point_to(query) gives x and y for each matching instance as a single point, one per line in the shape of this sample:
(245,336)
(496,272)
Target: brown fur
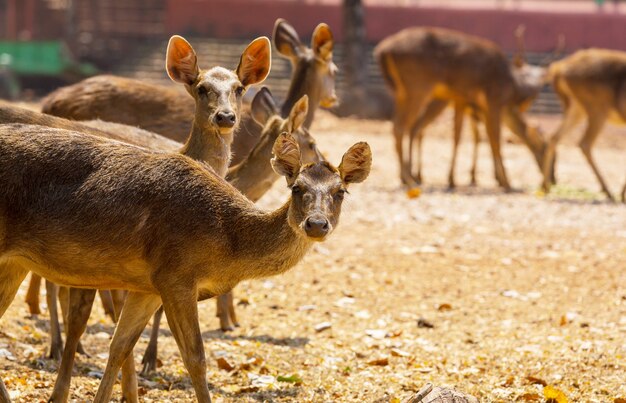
(169,112)
(426,64)
(592,86)
(88,212)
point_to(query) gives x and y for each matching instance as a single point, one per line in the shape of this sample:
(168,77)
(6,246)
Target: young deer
(591,84)
(426,64)
(90,212)
(217,93)
(167,112)
(253,177)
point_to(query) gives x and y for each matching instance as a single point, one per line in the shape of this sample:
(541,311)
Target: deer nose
(225,119)
(316,227)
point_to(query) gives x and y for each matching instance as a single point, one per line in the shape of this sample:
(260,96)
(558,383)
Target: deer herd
(146,194)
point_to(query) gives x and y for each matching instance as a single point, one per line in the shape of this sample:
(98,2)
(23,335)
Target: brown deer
(132,102)
(169,112)
(591,84)
(253,177)
(424,65)
(90,212)
(218,94)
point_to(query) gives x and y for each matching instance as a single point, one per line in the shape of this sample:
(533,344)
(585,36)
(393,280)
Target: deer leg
(476,134)
(11,276)
(399,127)
(80,302)
(596,122)
(56,341)
(135,315)
(64,301)
(224,306)
(458,127)
(231,309)
(107,303)
(32,295)
(571,117)
(432,111)
(149,360)
(181,309)
(493,132)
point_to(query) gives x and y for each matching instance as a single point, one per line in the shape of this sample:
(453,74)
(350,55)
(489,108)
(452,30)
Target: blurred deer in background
(591,85)
(166,111)
(427,68)
(163,226)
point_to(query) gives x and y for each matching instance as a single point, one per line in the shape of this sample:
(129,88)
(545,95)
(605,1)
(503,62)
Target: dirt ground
(521,291)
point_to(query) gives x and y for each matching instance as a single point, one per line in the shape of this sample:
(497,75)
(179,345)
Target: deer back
(156,108)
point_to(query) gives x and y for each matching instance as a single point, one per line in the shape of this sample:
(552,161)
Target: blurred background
(48,43)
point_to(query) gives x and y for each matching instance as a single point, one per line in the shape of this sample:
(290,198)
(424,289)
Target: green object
(48,58)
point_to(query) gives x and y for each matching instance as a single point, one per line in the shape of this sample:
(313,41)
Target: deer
(89,212)
(209,140)
(253,177)
(132,102)
(427,68)
(591,85)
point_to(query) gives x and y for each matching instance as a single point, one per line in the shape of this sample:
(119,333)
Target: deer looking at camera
(433,65)
(90,212)
(254,176)
(166,111)
(211,135)
(591,85)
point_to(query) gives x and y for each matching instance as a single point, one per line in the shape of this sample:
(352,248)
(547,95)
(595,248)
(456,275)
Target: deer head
(218,91)
(313,67)
(318,190)
(264,110)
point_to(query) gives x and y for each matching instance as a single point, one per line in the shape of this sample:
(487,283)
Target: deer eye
(239,91)
(295,189)
(202,91)
(340,194)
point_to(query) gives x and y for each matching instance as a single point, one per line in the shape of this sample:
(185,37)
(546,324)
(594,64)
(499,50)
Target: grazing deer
(168,112)
(424,65)
(591,84)
(90,212)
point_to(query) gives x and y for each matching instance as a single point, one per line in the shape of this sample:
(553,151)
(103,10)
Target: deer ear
(181,61)
(286,161)
(255,62)
(322,42)
(263,106)
(356,163)
(298,114)
(286,39)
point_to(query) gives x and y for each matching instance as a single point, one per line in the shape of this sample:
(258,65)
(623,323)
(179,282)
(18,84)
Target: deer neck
(267,243)
(254,176)
(205,143)
(303,82)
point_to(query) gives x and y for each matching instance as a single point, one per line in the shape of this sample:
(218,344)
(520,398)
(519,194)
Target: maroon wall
(247,18)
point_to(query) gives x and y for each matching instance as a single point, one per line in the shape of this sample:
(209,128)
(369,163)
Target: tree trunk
(355,58)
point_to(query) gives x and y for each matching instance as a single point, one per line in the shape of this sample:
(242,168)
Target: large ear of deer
(286,39)
(298,114)
(322,42)
(286,161)
(255,62)
(263,106)
(181,61)
(356,163)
